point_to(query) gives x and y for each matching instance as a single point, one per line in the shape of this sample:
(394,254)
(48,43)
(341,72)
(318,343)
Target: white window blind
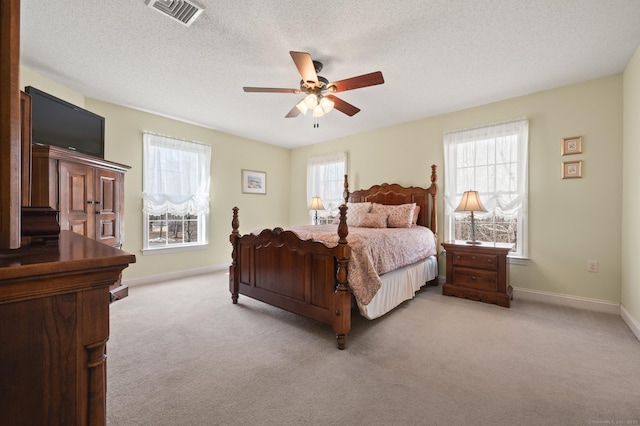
(492,160)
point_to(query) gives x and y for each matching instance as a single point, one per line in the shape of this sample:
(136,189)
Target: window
(175,197)
(325,179)
(492,160)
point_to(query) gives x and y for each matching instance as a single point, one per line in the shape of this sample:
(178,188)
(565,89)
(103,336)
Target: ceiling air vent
(183,11)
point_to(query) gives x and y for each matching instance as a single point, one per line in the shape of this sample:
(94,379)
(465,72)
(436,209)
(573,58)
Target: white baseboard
(152,279)
(631,322)
(567,300)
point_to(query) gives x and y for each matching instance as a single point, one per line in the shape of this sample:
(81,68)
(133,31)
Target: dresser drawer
(475,260)
(475,278)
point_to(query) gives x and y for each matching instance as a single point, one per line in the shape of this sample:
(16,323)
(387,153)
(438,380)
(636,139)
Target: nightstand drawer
(475,260)
(474,278)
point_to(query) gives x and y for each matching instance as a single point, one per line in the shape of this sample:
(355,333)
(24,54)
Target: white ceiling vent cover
(182,11)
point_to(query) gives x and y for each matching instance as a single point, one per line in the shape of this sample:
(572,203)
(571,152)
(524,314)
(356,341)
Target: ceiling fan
(318,90)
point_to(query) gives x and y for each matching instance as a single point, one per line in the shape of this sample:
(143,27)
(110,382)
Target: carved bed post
(345,193)
(234,280)
(342,296)
(433,190)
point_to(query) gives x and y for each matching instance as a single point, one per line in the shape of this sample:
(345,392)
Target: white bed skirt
(400,285)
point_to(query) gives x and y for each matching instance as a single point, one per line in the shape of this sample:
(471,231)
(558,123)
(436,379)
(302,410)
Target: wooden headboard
(395,194)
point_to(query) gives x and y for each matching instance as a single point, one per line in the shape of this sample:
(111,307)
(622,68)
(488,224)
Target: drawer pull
(473,277)
(458,257)
(473,257)
(488,260)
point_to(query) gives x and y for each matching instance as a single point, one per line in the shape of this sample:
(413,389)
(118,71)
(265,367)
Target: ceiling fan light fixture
(302,107)
(318,111)
(326,104)
(311,101)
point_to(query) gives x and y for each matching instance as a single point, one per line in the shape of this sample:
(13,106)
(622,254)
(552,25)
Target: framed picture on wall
(571,145)
(571,169)
(254,182)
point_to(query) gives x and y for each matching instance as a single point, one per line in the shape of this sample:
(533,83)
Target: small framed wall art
(254,182)
(571,145)
(571,169)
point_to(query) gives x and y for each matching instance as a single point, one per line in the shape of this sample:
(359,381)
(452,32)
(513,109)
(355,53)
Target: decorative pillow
(370,220)
(416,212)
(352,211)
(400,216)
(359,207)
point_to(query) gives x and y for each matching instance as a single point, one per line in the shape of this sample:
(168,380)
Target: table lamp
(316,204)
(471,203)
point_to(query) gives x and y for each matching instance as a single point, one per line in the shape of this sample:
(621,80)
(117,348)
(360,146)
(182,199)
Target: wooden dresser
(478,272)
(54,327)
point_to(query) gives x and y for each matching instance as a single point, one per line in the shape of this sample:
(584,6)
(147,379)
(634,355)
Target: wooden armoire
(87,191)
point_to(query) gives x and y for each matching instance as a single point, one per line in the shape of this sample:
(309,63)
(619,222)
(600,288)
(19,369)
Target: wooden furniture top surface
(73,253)
(59,153)
(462,245)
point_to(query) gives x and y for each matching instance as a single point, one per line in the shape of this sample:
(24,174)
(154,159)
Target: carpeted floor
(180,353)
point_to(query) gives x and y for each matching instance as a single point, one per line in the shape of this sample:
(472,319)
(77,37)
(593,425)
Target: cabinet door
(107,207)
(77,201)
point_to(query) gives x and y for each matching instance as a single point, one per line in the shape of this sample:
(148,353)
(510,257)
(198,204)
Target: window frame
(197,206)
(317,186)
(508,196)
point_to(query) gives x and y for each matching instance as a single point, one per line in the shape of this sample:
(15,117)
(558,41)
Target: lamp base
(474,242)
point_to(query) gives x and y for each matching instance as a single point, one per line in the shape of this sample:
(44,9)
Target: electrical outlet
(592,265)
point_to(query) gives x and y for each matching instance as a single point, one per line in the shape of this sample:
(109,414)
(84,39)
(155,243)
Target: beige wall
(631,189)
(230,154)
(570,220)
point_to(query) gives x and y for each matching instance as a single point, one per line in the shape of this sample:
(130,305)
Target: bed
(307,270)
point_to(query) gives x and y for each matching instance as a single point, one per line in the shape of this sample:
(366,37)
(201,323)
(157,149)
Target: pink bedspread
(374,251)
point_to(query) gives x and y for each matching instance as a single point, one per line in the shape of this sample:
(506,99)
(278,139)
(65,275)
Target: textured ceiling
(436,56)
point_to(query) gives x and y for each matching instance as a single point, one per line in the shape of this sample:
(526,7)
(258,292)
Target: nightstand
(478,272)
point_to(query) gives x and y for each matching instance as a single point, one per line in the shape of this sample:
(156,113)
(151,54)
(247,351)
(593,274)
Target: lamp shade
(318,111)
(311,100)
(326,104)
(302,107)
(470,202)
(316,204)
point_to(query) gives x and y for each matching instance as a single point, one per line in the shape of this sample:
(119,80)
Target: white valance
(176,176)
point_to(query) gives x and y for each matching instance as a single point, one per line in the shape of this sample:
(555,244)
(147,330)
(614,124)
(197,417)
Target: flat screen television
(60,123)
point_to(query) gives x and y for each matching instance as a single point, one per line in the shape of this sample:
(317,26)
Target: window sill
(517,260)
(178,249)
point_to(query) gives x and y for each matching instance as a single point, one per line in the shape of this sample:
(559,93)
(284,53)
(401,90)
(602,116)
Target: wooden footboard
(301,276)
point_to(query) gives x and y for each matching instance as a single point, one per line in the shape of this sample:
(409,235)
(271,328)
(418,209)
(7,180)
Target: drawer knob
(458,257)
(473,257)
(473,277)
(488,260)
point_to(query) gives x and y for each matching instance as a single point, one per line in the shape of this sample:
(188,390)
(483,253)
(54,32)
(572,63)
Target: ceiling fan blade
(269,90)
(294,112)
(305,67)
(364,80)
(344,107)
